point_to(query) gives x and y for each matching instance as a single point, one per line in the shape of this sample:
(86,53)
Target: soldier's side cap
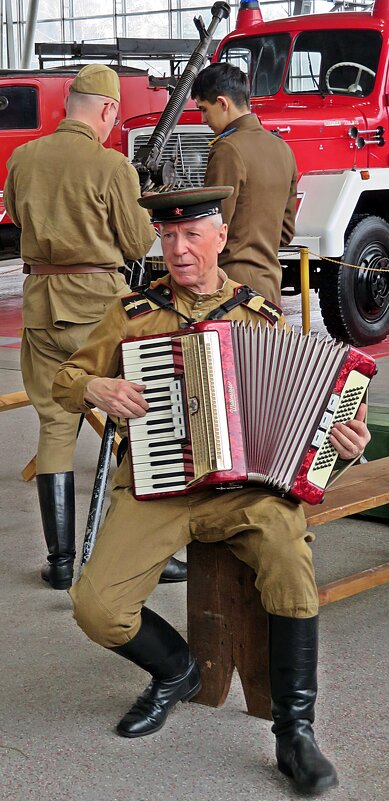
(185,204)
(97,79)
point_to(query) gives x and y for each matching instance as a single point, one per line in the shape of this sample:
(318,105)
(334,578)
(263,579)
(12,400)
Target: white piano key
(145,484)
(147,363)
(153,491)
(154,343)
(157,377)
(161,436)
(152,473)
(149,459)
(151,415)
(144,447)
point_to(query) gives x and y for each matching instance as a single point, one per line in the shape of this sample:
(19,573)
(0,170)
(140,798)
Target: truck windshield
(323,62)
(262,58)
(334,62)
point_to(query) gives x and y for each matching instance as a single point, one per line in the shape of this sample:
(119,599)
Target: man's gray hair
(217,220)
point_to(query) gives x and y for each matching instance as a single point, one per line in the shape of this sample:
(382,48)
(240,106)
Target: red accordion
(229,403)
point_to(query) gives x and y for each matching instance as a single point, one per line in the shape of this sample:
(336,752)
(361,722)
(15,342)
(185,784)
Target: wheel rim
(371,287)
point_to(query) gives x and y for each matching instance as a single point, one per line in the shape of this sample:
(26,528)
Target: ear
(222,237)
(223,101)
(105,111)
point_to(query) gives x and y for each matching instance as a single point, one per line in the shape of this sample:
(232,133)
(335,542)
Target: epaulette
(145,300)
(266,308)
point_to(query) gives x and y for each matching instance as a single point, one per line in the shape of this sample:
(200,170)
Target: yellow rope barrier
(346,264)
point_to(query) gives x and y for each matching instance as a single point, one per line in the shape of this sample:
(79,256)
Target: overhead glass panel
(94,30)
(49,9)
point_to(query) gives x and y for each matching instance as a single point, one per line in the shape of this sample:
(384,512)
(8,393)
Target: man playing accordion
(138,538)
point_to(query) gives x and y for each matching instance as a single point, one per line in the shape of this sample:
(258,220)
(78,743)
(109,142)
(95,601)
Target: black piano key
(167,484)
(167,475)
(153,368)
(159,422)
(154,390)
(164,452)
(158,445)
(160,430)
(159,408)
(157,376)
(152,355)
(165,461)
(150,345)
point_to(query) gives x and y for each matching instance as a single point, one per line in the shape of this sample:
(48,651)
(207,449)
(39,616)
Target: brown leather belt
(56,269)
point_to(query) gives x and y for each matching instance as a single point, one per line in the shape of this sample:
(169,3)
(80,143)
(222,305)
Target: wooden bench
(227,625)
(16,400)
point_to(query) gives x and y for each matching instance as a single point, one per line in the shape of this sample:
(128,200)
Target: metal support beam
(9,27)
(29,35)
(1,34)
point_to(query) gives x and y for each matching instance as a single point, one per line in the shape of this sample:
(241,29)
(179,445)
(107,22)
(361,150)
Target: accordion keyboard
(157,438)
(184,434)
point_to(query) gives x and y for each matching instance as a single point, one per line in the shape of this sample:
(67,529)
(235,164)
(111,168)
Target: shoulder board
(135,304)
(266,308)
(147,301)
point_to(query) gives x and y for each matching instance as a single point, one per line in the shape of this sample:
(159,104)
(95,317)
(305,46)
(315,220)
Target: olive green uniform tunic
(261,212)
(138,537)
(76,204)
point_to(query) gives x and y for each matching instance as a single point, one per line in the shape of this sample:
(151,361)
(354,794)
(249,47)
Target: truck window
(262,58)
(18,107)
(334,62)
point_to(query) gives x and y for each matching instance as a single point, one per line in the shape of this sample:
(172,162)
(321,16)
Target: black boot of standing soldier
(293,651)
(159,649)
(56,500)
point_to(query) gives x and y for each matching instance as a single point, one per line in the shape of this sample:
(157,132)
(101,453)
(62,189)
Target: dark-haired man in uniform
(261,210)
(266,531)
(76,204)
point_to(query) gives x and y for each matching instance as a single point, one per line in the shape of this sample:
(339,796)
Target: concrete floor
(62,695)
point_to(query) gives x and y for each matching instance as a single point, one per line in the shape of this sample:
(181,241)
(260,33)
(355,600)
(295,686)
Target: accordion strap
(242,295)
(246,296)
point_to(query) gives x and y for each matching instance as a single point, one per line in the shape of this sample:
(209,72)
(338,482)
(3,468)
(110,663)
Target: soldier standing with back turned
(76,204)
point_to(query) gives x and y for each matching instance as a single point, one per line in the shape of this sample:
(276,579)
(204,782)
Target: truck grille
(188,148)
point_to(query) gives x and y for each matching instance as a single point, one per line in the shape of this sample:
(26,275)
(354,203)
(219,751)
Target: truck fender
(327,203)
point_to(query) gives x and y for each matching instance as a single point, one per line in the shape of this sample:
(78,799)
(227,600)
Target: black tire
(355,303)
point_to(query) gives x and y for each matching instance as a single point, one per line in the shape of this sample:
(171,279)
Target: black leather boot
(161,650)
(56,500)
(293,649)
(174,571)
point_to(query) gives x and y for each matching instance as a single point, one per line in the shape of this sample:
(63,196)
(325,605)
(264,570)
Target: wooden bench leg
(227,627)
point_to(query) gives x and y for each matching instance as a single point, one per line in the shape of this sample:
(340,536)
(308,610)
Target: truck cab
(321,83)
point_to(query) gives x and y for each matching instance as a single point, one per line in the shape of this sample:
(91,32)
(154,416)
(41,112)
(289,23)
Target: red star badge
(178,212)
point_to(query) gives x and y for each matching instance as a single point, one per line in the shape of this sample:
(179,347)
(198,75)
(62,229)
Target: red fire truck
(322,83)
(32,103)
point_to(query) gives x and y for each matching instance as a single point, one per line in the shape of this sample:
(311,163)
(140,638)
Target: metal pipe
(304,281)
(29,35)
(98,492)
(1,35)
(9,27)
(148,157)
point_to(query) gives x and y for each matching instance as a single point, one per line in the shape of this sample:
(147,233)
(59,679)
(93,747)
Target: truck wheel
(355,303)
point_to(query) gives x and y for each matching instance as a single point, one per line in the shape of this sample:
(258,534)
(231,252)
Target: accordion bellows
(229,403)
